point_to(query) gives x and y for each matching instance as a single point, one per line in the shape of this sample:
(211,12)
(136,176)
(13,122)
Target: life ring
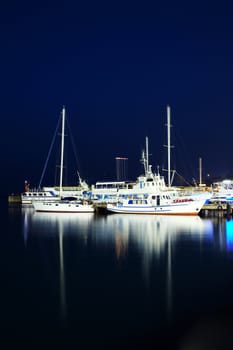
(219,207)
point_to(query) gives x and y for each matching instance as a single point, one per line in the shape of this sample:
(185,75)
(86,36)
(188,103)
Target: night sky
(116,66)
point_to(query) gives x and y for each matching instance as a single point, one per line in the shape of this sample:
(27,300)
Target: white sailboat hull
(63,207)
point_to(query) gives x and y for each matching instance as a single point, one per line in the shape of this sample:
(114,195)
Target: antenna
(147,155)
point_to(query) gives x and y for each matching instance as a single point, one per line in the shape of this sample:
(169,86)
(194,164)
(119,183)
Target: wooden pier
(100,208)
(217,210)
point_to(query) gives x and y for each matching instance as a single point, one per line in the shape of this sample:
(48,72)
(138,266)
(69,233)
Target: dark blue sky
(116,66)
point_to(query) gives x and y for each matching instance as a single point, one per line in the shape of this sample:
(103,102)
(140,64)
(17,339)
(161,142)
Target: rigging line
(49,153)
(184,150)
(182,178)
(73,143)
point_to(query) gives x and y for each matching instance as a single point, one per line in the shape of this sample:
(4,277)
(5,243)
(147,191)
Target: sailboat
(67,204)
(53,193)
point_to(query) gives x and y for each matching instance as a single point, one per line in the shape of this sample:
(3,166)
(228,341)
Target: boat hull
(58,207)
(172,209)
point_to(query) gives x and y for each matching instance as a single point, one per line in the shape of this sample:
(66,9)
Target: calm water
(81,280)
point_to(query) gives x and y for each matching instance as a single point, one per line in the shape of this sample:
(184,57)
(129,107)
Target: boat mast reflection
(169,277)
(60,225)
(62,272)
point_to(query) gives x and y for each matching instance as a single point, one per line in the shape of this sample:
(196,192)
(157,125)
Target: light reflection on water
(146,244)
(151,236)
(62,273)
(229,235)
(149,233)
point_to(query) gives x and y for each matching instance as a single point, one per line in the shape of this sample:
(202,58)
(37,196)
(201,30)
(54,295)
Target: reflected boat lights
(229,235)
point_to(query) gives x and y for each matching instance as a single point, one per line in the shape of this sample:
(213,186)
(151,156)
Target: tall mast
(168,145)
(62,148)
(147,155)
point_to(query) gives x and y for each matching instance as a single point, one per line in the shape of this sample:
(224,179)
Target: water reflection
(223,229)
(169,278)
(150,234)
(58,226)
(229,235)
(62,272)
(25,228)
(154,237)
(149,237)
(51,224)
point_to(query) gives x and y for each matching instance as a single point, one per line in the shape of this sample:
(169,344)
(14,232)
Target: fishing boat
(151,195)
(150,183)
(66,204)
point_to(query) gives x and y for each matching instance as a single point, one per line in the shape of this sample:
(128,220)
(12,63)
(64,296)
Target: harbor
(150,193)
(114,234)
